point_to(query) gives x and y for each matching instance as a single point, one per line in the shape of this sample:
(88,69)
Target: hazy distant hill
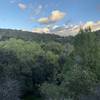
(30,36)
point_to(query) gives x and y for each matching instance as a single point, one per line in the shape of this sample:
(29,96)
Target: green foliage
(48,66)
(79,81)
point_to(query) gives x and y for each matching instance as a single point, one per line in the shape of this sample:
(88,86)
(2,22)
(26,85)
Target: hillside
(49,67)
(30,36)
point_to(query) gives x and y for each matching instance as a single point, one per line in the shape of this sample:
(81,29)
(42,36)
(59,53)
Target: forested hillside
(30,36)
(49,67)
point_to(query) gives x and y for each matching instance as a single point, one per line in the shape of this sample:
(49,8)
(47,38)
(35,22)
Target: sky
(62,17)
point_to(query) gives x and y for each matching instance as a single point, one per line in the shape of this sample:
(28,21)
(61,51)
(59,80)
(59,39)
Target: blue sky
(30,14)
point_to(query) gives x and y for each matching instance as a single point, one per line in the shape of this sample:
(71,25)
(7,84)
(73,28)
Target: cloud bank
(68,30)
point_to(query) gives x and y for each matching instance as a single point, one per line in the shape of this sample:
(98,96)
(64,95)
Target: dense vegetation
(49,67)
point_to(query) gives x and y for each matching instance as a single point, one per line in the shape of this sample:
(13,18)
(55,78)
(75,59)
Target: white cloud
(22,6)
(43,20)
(96,26)
(68,30)
(88,24)
(74,29)
(41,30)
(53,18)
(93,25)
(56,15)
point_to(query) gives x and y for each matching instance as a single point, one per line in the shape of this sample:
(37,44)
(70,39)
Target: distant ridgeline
(30,36)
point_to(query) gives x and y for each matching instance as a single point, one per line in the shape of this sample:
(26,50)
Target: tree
(78,81)
(9,89)
(54,92)
(9,85)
